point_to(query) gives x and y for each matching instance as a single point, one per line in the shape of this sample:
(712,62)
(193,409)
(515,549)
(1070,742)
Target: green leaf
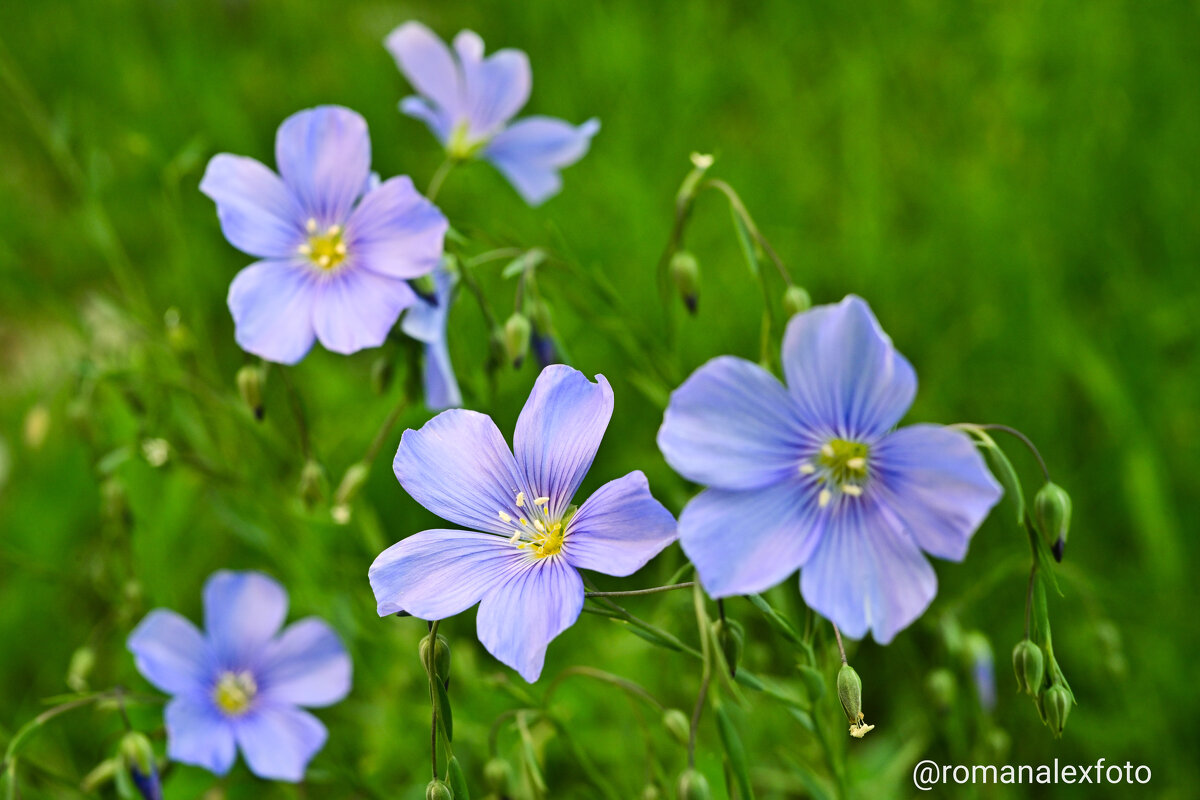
(445,716)
(1002,468)
(775,619)
(734,750)
(457,780)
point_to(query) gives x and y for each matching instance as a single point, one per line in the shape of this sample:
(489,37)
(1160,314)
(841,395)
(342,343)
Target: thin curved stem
(740,208)
(385,430)
(439,177)
(638,592)
(1025,440)
(841,648)
(628,686)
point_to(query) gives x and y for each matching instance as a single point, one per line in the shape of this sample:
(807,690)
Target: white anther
(852,490)
(858,462)
(807,468)
(304,249)
(334,230)
(827,450)
(516,537)
(323,261)
(537,523)
(541,501)
(520,499)
(311,225)
(505,517)
(340,249)
(824,497)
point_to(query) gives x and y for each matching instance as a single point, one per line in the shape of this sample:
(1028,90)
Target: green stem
(633,689)
(638,592)
(439,177)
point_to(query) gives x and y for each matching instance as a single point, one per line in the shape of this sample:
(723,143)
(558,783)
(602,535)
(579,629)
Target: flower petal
(559,431)
(733,425)
(844,372)
(531,152)
(747,542)
(426,322)
(258,214)
(866,575)
(518,619)
(324,156)
(439,573)
(438,121)
(438,379)
(279,741)
(306,665)
(459,467)
(272,303)
(355,308)
(619,528)
(197,734)
(494,88)
(242,613)
(170,652)
(396,232)
(935,483)
(427,63)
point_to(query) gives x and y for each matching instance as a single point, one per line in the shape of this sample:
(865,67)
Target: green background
(1011,185)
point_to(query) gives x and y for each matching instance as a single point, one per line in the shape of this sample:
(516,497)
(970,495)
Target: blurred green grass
(1013,186)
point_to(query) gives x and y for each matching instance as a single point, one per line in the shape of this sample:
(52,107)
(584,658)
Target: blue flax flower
(239,684)
(336,250)
(812,476)
(468,100)
(526,543)
(426,322)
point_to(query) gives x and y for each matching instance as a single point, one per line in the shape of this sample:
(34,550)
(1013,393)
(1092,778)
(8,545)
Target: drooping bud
(383,369)
(731,637)
(796,300)
(440,660)
(497,774)
(651,792)
(80,667)
(138,757)
(1052,513)
(437,790)
(677,724)
(685,272)
(1056,704)
(250,382)
(1029,666)
(425,288)
(849,687)
(351,483)
(692,786)
(517,331)
(312,483)
(942,688)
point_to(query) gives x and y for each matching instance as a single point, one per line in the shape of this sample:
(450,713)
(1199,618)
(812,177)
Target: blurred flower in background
(425,321)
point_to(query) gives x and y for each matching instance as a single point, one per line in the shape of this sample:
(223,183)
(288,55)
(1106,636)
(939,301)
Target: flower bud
(497,774)
(731,637)
(312,483)
(651,792)
(516,338)
(1029,666)
(425,288)
(383,369)
(796,300)
(678,725)
(138,757)
(437,790)
(1052,513)
(849,687)
(685,271)
(351,483)
(80,667)
(692,786)
(1056,704)
(441,657)
(250,381)
(942,689)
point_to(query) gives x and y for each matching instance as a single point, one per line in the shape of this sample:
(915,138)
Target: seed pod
(517,331)
(1057,705)
(1029,666)
(849,687)
(796,300)
(250,381)
(1052,514)
(436,790)
(685,272)
(692,786)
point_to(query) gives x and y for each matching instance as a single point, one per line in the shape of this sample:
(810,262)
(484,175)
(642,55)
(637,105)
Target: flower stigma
(235,692)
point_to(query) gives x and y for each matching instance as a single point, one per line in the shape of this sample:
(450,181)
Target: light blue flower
(336,251)
(468,101)
(426,322)
(239,684)
(812,476)
(521,558)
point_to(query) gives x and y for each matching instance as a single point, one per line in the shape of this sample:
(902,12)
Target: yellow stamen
(520,499)
(852,490)
(807,468)
(505,518)
(541,501)
(824,497)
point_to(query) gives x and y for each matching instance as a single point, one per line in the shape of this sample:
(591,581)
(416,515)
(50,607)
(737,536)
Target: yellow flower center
(325,248)
(534,530)
(234,692)
(460,146)
(840,466)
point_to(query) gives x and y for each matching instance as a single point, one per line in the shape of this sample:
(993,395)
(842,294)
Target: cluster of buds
(1047,687)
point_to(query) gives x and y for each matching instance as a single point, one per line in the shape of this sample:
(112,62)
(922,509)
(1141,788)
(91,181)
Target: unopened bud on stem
(685,272)
(1029,666)
(1052,513)
(796,300)
(517,331)
(250,382)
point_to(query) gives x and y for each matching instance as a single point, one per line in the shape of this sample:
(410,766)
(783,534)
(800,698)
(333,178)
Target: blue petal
(933,483)
(425,321)
(171,653)
(619,528)
(864,575)
(356,308)
(306,665)
(396,232)
(324,156)
(258,214)
(459,467)
(439,573)
(495,88)
(197,734)
(518,619)
(242,613)
(747,542)
(559,431)
(844,372)
(531,152)
(438,379)
(428,64)
(439,121)
(279,741)
(272,304)
(732,425)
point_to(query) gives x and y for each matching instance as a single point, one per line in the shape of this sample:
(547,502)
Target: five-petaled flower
(812,476)
(426,322)
(239,684)
(468,100)
(336,251)
(520,560)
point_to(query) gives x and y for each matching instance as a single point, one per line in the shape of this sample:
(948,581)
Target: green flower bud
(383,369)
(250,381)
(651,792)
(80,667)
(312,483)
(516,338)
(731,637)
(441,658)
(1057,705)
(137,752)
(539,312)
(849,687)
(424,286)
(678,725)
(497,774)
(436,790)
(1052,514)
(796,300)
(692,786)
(351,483)
(942,688)
(1029,666)
(685,271)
